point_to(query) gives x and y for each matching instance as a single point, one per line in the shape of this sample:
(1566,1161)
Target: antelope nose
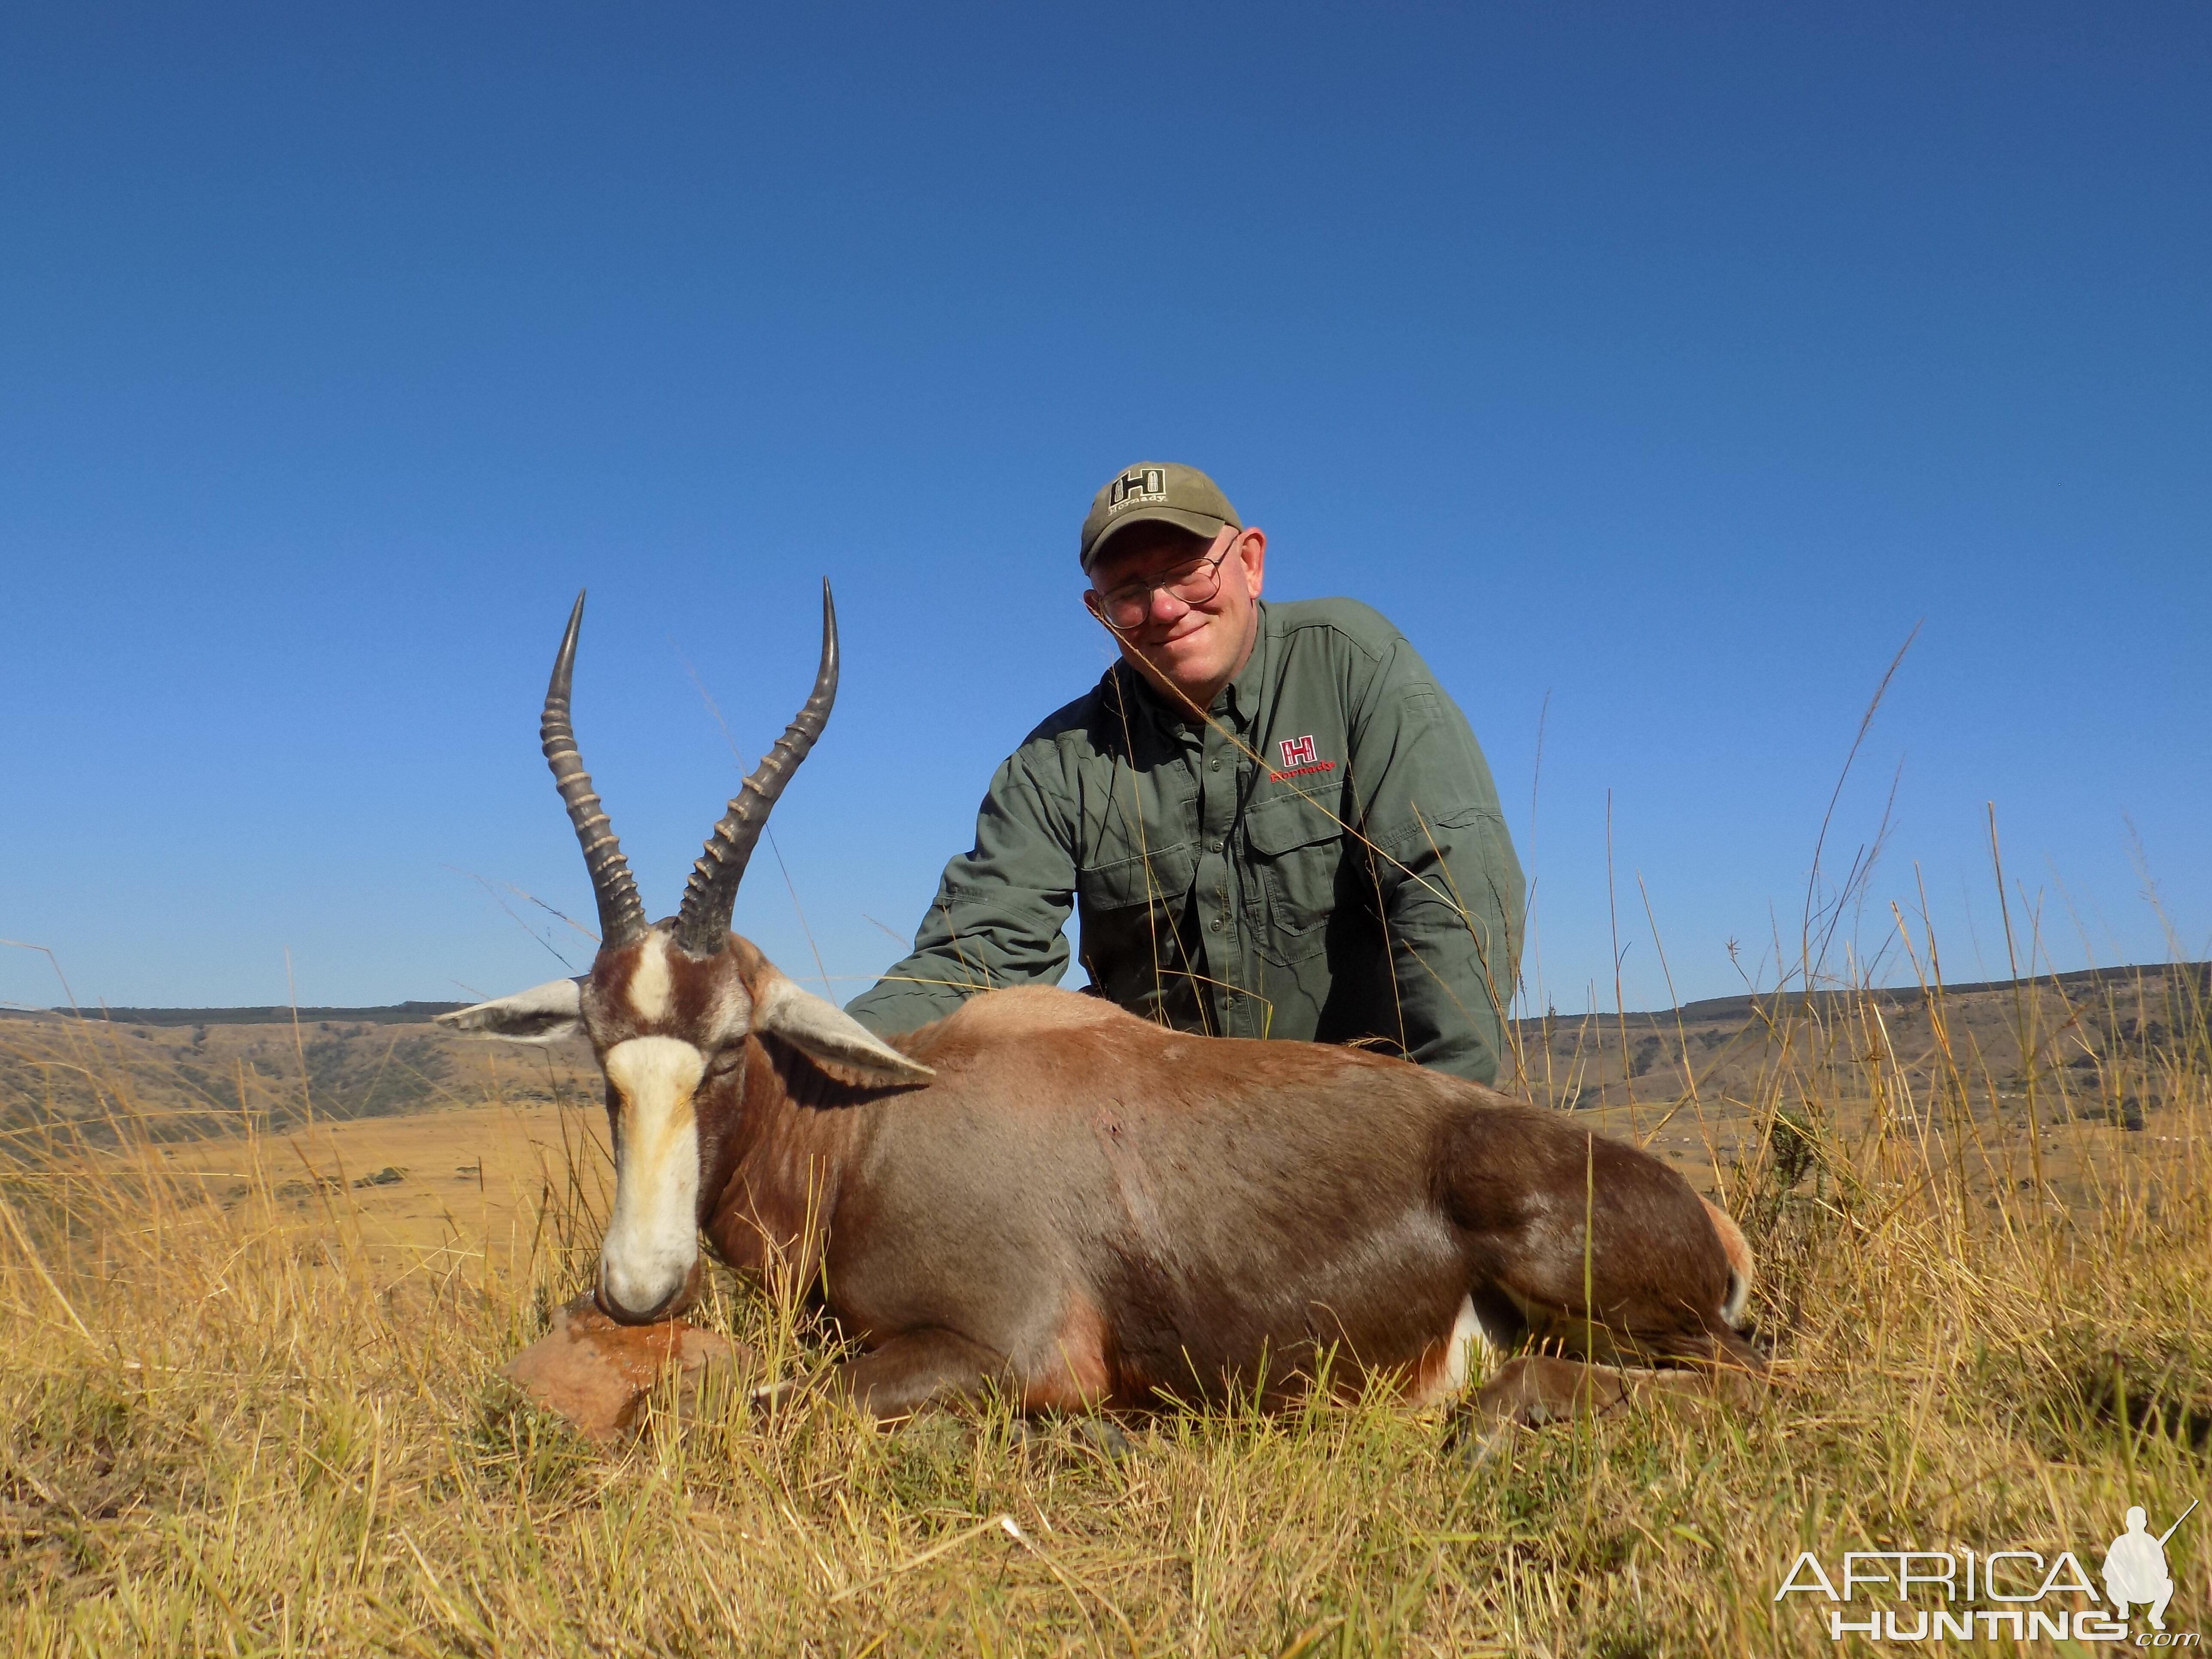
(629,1301)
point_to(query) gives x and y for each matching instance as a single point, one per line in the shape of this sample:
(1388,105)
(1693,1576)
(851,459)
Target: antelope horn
(622,917)
(702,927)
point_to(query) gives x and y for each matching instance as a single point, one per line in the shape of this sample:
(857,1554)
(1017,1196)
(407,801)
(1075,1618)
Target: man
(1274,823)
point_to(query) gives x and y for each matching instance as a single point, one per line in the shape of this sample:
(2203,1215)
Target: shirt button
(1217,924)
(1216,846)
(1217,765)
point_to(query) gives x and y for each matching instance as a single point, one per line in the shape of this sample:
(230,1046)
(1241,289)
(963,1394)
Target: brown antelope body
(1047,1194)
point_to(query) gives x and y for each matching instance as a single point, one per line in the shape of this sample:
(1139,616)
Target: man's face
(1195,647)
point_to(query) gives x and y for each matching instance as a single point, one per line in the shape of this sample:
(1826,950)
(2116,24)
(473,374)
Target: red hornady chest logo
(1298,751)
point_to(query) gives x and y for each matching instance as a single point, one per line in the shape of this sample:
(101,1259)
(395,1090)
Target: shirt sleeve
(999,913)
(1447,884)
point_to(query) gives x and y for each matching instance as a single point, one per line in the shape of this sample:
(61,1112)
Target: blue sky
(1658,369)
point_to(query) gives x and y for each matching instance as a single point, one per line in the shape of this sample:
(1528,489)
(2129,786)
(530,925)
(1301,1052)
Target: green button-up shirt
(1322,858)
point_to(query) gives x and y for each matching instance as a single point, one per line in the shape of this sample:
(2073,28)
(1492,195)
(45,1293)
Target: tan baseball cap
(1156,492)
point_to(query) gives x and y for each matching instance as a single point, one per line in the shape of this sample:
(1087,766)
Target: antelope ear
(544,1014)
(832,1038)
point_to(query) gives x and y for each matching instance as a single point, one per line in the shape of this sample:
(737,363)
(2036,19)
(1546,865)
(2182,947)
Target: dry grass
(260,1415)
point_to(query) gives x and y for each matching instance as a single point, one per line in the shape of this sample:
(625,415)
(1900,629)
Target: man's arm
(998,914)
(1448,886)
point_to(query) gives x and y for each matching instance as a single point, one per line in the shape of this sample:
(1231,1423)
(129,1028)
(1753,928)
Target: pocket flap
(1166,872)
(1286,823)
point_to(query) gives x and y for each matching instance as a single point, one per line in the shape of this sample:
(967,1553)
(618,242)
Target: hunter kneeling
(1271,819)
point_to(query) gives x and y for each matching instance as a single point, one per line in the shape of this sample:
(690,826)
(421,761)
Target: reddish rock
(597,1373)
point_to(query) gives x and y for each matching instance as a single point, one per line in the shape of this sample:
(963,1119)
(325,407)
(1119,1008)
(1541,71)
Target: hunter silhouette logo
(2021,1582)
(2135,1567)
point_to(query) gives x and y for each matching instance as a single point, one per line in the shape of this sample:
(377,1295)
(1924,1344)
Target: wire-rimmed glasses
(1126,604)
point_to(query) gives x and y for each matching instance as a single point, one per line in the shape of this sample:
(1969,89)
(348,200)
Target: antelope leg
(915,1369)
(1537,1388)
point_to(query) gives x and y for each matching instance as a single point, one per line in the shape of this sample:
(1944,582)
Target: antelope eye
(725,1061)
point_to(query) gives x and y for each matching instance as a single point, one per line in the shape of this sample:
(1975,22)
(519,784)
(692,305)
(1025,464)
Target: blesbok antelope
(1046,1194)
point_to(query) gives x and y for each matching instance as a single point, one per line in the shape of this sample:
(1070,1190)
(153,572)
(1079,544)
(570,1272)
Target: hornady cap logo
(2035,1600)
(1137,484)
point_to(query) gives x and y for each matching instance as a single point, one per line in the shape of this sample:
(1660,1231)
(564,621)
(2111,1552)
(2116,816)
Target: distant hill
(391,1013)
(186,1072)
(1709,1009)
(2080,980)
(2102,1038)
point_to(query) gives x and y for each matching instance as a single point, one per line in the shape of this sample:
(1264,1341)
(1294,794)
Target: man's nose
(1165,607)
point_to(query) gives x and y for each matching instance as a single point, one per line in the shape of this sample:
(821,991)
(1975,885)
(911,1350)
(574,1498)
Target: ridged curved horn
(702,927)
(622,917)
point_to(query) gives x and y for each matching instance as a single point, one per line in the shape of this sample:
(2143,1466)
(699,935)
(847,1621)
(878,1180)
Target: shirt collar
(1240,699)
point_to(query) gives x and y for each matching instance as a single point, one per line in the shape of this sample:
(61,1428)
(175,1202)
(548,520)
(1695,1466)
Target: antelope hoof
(1101,1435)
(1474,1440)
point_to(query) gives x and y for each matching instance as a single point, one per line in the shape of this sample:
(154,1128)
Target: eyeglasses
(1127,604)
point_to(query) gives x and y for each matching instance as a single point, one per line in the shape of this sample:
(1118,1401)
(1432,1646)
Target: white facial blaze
(653,1237)
(650,989)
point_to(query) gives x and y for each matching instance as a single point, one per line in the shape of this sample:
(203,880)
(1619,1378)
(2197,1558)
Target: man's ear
(832,1038)
(544,1014)
(1252,554)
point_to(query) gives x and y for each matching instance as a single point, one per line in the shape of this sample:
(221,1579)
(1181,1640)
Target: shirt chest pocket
(1164,875)
(1297,850)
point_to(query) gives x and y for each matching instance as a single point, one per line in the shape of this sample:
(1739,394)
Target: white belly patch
(1466,1339)
(1467,1336)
